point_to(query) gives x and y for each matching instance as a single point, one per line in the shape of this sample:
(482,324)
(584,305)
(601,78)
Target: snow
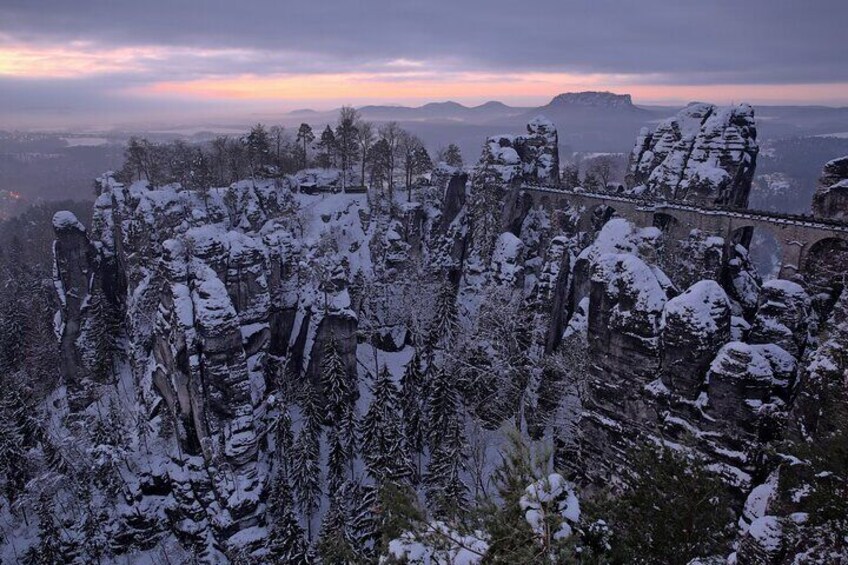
(768,533)
(699,307)
(627,274)
(65,219)
(439,544)
(551,494)
(758,501)
(786,287)
(757,365)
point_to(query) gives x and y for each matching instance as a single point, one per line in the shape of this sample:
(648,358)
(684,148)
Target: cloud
(129,52)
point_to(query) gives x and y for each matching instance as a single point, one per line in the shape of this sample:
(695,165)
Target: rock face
(783,316)
(821,408)
(217,287)
(706,155)
(625,304)
(693,327)
(831,197)
(532,158)
(74,265)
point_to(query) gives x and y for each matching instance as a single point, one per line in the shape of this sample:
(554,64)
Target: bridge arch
(599,215)
(770,255)
(668,224)
(823,266)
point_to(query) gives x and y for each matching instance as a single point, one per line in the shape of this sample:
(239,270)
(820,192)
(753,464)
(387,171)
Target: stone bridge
(799,236)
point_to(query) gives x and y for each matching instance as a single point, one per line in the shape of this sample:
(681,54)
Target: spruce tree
(13,309)
(48,550)
(306,474)
(443,407)
(335,382)
(337,543)
(452,156)
(286,542)
(445,323)
(337,462)
(447,494)
(12,454)
(412,407)
(383,444)
(102,326)
(284,440)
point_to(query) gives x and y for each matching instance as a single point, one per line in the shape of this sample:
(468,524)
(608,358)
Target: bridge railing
(806,219)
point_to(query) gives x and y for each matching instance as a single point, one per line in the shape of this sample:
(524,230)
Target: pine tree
(447,494)
(346,144)
(306,473)
(286,542)
(337,543)
(327,148)
(48,550)
(383,444)
(442,407)
(445,323)
(412,396)
(305,136)
(335,382)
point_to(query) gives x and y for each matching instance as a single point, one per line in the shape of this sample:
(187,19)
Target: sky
(98,63)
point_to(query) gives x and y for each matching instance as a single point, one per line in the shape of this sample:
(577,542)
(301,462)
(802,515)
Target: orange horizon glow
(473,86)
(393,81)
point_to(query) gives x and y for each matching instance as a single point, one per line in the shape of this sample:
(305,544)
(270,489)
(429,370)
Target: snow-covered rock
(831,197)
(694,326)
(705,154)
(531,158)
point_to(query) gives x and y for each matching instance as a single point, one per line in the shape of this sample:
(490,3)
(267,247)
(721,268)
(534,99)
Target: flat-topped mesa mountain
(705,155)
(234,305)
(831,197)
(593,99)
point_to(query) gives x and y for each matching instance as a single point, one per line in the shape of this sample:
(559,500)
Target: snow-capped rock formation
(694,325)
(784,316)
(219,284)
(831,197)
(530,158)
(706,155)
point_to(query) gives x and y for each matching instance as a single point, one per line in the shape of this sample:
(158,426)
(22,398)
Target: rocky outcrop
(625,305)
(705,154)
(532,158)
(215,287)
(831,197)
(821,408)
(783,316)
(74,265)
(693,327)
